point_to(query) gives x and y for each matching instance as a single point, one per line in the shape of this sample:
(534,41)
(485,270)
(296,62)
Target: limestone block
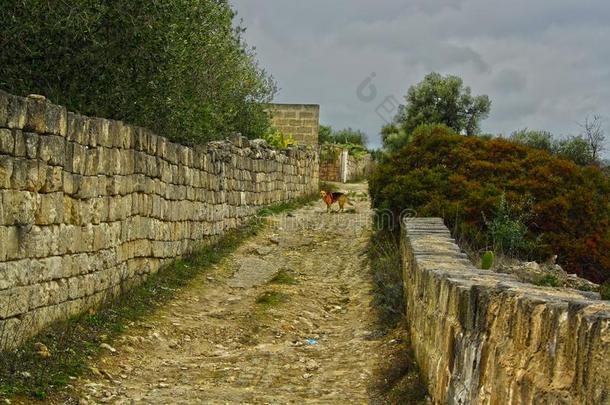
(162,147)
(16,112)
(118,208)
(31,144)
(140,162)
(53,179)
(20,206)
(35,115)
(4,102)
(100,130)
(151,147)
(14,301)
(68,183)
(140,139)
(48,293)
(91,161)
(87,187)
(52,149)
(7,141)
(6,171)
(9,243)
(76,264)
(40,241)
(56,119)
(20,149)
(127,137)
(34,174)
(51,209)
(75,158)
(84,242)
(66,240)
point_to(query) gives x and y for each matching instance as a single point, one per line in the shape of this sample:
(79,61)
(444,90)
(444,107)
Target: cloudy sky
(544,64)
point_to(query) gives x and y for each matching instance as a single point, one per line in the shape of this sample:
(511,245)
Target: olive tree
(444,100)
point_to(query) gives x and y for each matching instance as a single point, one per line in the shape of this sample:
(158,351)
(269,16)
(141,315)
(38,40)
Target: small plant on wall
(276,138)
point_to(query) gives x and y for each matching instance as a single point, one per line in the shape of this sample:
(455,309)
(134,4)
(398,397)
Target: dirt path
(308,342)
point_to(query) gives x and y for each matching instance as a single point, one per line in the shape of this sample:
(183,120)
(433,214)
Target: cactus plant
(487,261)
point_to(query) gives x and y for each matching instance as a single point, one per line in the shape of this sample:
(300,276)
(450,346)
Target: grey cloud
(509,80)
(544,64)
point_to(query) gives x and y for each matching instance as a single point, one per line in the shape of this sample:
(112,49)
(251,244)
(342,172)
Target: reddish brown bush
(462,178)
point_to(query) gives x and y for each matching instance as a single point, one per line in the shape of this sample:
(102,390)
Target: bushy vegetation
(550,204)
(352,140)
(344,136)
(276,138)
(580,149)
(179,67)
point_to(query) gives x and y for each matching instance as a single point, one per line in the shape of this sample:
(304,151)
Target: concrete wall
(484,338)
(89,206)
(301,121)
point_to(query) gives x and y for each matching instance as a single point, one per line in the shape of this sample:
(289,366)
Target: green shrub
(277,138)
(604,290)
(507,229)
(548,280)
(179,67)
(534,139)
(487,261)
(462,179)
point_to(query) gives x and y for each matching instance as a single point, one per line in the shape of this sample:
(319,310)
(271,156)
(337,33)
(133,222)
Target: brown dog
(332,197)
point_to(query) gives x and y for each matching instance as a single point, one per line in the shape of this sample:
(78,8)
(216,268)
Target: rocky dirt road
(237,337)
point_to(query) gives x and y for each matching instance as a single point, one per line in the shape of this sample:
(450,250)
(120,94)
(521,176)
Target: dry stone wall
(336,164)
(89,206)
(485,338)
(358,168)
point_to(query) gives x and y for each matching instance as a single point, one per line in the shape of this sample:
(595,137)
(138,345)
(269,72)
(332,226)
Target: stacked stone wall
(485,338)
(90,206)
(332,168)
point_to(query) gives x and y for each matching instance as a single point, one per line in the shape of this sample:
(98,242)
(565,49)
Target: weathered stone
(53,178)
(6,171)
(482,337)
(31,145)
(16,112)
(20,147)
(35,115)
(52,149)
(7,141)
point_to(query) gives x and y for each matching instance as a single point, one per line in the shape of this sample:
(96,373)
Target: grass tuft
(397,380)
(548,280)
(286,206)
(604,290)
(283,277)
(386,266)
(271,298)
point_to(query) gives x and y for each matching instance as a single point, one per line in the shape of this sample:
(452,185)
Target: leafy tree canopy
(443,100)
(179,67)
(343,136)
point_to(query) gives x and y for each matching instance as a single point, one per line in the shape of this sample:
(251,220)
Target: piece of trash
(312,342)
